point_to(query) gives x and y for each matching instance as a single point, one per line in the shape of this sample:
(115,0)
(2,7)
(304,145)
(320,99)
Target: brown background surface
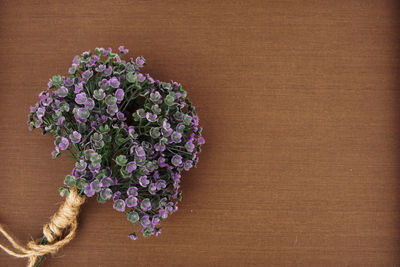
(300,104)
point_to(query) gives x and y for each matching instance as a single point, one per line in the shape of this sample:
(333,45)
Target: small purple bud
(119,205)
(143,181)
(81,99)
(131,166)
(131,201)
(75,137)
(132,191)
(176,160)
(139,151)
(64,143)
(114,82)
(145,205)
(119,94)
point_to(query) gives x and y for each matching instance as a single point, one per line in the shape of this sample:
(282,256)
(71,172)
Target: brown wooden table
(300,104)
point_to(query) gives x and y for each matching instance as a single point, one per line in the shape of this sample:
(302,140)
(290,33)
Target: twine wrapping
(66,218)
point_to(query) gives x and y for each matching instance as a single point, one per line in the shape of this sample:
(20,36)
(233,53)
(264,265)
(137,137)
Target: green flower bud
(133,216)
(111,100)
(155,132)
(95,158)
(125,174)
(187,119)
(131,77)
(70,180)
(169,100)
(56,80)
(121,160)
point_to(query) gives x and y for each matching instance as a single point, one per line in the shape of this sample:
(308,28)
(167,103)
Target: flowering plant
(130,135)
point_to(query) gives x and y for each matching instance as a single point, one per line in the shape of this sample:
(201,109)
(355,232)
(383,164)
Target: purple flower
(76,60)
(133,216)
(81,99)
(141,113)
(62,92)
(116,195)
(119,94)
(80,165)
(112,109)
(145,205)
(159,147)
(122,50)
(132,191)
(106,193)
(89,104)
(111,100)
(78,88)
(163,213)
(187,165)
(75,137)
(161,184)
(145,221)
(155,97)
(133,236)
(149,78)
(139,62)
(119,205)
(82,114)
(114,82)
(151,117)
(152,188)
(139,151)
(100,68)
(60,121)
(108,71)
(140,77)
(131,132)
(201,140)
(89,190)
(161,162)
(107,182)
(131,201)
(40,112)
(104,84)
(131,166)
(86,75)
(121,116)
(68,82)
(158,231)
(99,94)
(96,185)
(63,143)
(48,100)
(156,220)
(176,137)
(143,181)
(189,146)
(165,125)
(73,69)
(176,160)
(94,167)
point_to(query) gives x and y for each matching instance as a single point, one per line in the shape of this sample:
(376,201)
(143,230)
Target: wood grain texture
(300,104)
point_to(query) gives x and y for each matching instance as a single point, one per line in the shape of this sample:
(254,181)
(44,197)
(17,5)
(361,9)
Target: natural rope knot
(66,218)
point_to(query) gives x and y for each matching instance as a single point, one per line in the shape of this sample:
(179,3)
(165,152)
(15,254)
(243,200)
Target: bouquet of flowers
(130,135)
